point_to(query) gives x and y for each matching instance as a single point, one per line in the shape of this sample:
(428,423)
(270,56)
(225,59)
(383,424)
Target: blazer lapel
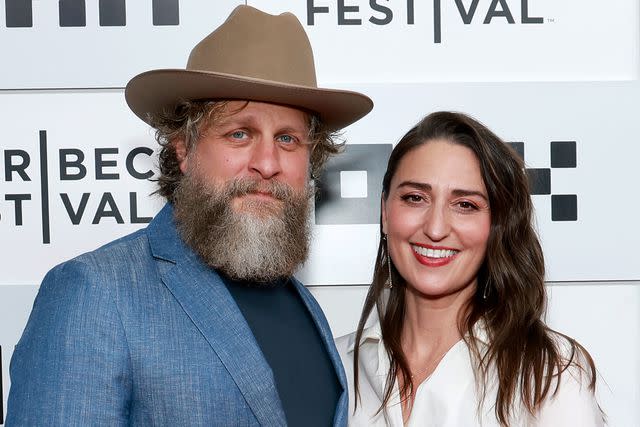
(340,417)
(206,300)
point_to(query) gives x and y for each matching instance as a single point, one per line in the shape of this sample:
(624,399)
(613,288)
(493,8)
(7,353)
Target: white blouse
(449,397)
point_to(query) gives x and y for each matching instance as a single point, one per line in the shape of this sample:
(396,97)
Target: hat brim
(157,90)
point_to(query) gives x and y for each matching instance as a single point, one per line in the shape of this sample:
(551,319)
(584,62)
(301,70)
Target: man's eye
(287,139)
(239,134)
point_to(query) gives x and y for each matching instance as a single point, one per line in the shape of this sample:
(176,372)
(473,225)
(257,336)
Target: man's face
(244,200)
(256,140)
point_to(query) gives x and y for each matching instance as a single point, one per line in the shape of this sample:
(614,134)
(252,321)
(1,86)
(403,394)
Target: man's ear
(181,153)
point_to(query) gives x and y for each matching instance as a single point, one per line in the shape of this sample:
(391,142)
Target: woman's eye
(467,206)
(412,198)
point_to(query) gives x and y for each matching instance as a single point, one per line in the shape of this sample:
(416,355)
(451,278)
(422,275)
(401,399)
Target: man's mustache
(242,186)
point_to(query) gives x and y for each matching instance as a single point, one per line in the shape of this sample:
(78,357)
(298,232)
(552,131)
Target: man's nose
(265,159)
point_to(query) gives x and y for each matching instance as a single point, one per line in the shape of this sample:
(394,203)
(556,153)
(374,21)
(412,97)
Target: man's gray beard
(263,242)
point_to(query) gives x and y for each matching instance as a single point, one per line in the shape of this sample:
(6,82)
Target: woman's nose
(436,223)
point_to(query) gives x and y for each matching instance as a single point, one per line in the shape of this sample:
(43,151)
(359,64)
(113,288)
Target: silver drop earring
(485,292)
(389,278)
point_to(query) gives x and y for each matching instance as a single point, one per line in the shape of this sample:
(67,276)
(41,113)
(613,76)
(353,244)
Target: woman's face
(437,219)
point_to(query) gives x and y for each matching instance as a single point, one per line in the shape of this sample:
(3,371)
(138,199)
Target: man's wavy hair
(190,119)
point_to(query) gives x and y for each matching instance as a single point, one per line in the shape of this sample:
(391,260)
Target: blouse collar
(372,335)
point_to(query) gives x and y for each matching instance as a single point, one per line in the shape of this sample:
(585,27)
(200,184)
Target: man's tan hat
(253,56)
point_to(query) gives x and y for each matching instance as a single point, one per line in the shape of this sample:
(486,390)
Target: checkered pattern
(333,208)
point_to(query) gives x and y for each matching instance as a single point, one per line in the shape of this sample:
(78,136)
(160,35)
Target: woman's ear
(181,153)
(384,214)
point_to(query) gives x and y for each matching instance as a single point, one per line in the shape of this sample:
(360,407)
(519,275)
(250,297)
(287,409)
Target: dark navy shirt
(289,339)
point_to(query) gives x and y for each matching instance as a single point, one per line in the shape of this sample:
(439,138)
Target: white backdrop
(560,74)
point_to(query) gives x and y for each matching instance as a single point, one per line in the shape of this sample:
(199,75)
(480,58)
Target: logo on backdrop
(348,190)
(385,12)
(73,166)
(73,13)
(564,207)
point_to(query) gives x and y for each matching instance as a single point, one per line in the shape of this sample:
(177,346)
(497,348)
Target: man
(196,320)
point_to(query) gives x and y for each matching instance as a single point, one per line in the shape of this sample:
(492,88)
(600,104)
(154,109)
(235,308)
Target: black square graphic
(518,147)
(112,13)
(563,154)
(18,13)
(564,207)
(331,208)
(539,181)
(73,13)
(166,12)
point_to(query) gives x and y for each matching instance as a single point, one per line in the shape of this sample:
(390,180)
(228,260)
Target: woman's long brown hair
(524,352)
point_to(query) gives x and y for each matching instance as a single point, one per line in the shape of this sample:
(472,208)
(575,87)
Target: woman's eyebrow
(467,193)
(413,184)
(458,192)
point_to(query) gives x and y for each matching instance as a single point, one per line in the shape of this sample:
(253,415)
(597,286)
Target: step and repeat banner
(103,43)
(557,80)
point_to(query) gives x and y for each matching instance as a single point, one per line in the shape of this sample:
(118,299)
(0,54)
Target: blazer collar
(340,417)
(164,239)
(206,300)
(323,328)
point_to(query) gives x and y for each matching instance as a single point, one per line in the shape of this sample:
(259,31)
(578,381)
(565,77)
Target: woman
(459,294)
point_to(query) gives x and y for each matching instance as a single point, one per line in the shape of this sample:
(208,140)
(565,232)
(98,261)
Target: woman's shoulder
(345,344)
(572,397)
(573,402)
(573,358)
(346,339)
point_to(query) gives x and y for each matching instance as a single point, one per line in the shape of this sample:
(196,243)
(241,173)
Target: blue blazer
(141,332)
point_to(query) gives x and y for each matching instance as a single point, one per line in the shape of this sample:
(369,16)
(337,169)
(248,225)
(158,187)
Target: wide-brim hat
(251,56)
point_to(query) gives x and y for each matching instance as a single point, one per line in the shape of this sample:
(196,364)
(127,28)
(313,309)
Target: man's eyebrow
(236,119)
(293,129)
(250,120)
(458,192)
